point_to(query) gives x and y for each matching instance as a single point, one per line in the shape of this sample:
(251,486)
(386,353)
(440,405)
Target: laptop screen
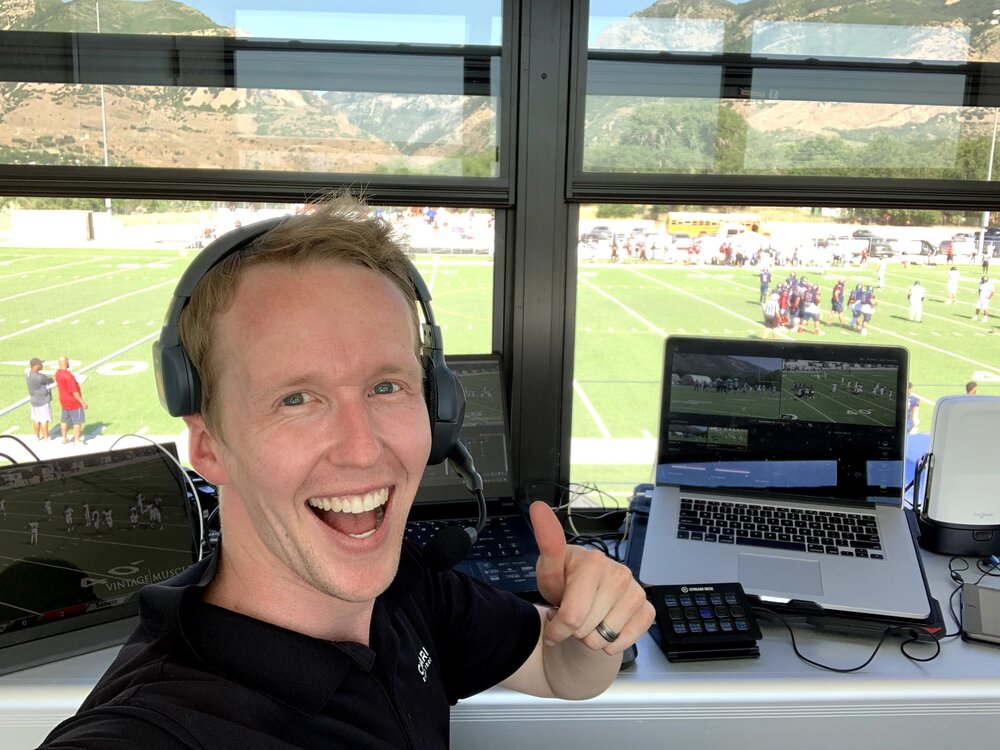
(79,537)
(782,417)
(485,433)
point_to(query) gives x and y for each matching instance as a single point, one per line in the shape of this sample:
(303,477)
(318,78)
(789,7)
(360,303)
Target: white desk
(952,702)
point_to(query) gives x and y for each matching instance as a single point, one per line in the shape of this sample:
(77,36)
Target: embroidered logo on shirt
(423,663)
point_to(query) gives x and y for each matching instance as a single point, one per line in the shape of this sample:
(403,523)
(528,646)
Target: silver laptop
(780,466)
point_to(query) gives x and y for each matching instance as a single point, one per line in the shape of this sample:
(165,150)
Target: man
(986,290)
(40,396)
(836,303)
(952,286)
(971,387)
(868,303)
(72,402)
(765,284)
(916,298)
(771,313)
(314,624)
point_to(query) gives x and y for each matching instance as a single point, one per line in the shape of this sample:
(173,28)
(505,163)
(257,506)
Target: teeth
(352,503)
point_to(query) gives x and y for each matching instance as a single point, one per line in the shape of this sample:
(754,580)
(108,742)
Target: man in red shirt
(71,401)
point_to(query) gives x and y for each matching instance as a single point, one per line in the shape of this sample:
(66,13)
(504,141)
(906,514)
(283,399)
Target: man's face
(321,398)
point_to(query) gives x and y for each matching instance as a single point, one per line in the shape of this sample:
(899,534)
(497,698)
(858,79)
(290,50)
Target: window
(91,281)
(650,282)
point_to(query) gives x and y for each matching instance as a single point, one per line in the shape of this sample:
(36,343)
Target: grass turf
(103,309)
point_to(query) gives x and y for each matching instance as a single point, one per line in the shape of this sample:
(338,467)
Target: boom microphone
(451,545)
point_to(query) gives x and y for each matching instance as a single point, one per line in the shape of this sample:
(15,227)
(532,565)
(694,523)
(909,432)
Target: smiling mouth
(357,516)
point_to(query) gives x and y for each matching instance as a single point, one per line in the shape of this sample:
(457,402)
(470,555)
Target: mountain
(112,16)
(279,129)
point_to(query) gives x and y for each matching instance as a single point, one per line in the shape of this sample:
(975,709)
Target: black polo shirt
(194,675)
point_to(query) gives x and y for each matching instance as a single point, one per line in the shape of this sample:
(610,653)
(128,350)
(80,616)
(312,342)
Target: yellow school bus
(696,223)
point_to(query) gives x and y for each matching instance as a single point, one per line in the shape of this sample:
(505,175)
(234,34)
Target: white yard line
(603,428)
(71,282)
(652,326)
(120,297)
(35,271)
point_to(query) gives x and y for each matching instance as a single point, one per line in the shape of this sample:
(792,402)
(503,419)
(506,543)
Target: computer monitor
(485,433)
(79,537)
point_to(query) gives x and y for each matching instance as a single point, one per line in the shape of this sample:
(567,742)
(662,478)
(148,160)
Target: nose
(356,438)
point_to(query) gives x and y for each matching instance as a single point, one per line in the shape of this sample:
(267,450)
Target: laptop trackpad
(764,573)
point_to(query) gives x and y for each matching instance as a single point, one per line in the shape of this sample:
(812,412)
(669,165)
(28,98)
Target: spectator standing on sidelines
(72,402)
(952,288)
(916,298)
(971,387)
(41,397)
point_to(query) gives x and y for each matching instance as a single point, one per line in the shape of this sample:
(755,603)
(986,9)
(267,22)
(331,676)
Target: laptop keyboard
(504,555)
(798,529)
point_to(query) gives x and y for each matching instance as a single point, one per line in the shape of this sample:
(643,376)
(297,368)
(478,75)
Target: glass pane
(646,272)
(384,21)
(646,117)
(90,279)
(927,32)
(259,129)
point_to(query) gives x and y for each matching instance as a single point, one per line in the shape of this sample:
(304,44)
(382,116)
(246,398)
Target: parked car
(683,241)
(880,249)
(597,233)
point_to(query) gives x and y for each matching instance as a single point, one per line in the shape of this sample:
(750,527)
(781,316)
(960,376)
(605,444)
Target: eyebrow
(390,369)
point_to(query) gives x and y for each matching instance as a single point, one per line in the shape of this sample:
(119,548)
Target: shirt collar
(300,671)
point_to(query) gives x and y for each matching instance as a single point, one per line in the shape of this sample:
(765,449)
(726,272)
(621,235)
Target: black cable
(23,445)
(889,630)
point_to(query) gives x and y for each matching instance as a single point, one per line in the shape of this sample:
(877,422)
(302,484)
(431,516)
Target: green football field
(103,308)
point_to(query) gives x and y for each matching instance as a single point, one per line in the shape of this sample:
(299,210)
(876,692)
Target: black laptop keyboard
(504,555)
(798,529)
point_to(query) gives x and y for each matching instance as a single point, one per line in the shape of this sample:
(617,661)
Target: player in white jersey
(952,288)
(32,532)
(47,507)
(68,515)
(986,291)
(108,520)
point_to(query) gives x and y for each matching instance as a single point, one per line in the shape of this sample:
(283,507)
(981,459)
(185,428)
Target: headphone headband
(179,384)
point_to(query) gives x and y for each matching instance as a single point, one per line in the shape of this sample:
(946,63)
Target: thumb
(551,568)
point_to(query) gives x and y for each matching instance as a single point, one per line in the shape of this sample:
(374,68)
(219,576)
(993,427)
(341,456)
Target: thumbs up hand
(595,599)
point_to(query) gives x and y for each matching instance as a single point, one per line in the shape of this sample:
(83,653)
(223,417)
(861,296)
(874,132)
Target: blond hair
(338,229)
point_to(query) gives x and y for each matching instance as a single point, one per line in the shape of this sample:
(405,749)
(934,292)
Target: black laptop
(506,553)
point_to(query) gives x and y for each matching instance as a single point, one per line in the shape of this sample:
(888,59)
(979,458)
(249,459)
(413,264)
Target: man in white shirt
(986,291)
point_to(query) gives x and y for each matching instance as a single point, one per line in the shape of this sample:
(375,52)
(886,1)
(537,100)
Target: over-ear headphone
(179,384)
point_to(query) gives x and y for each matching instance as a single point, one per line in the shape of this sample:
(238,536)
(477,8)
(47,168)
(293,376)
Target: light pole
(989,176)
(104,114)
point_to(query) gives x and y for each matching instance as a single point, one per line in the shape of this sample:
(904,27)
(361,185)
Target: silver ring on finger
(605,632)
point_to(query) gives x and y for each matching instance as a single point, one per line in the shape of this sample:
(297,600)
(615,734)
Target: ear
(204,451)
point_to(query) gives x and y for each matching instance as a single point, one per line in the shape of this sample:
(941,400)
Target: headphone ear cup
(177,381)
(445,407)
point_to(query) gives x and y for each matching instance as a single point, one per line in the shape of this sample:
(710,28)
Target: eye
(385,388)
(295,399)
